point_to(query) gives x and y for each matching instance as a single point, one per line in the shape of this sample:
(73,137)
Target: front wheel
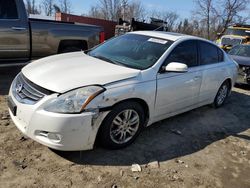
(222,94)
(122,125)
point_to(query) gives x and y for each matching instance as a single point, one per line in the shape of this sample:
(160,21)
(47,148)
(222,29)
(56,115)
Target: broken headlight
(74,101)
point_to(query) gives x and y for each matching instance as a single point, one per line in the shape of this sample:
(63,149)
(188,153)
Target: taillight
(102,37)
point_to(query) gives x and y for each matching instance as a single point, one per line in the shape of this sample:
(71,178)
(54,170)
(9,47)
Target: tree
(65,6)
(31,7)
(111,9)
(56,8)
(48,7)
(230,12)
(115,9)
(135,10)
(167,16)
(205,9)
(187,27)
(214,16)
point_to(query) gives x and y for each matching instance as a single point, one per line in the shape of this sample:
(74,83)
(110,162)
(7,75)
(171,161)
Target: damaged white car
(109,94)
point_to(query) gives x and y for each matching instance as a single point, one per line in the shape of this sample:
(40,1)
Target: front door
(14,32)
(177,91)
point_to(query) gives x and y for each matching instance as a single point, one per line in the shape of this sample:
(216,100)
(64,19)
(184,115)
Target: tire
(222,94)
(111,133)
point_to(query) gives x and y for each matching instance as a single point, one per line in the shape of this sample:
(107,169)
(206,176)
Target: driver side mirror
(176,67)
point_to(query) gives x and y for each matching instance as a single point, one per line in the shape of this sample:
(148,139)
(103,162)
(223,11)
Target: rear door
(178,91)
(14,31)
(213,70)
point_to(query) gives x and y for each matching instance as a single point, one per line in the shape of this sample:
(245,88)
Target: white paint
(166,94)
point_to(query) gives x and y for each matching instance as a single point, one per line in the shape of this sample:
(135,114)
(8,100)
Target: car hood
(61,73)
(245,61)
(233,36)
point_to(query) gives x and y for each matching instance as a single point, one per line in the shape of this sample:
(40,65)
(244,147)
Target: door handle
(18,28)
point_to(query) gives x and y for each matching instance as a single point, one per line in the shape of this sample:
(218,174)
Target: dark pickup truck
(23,39)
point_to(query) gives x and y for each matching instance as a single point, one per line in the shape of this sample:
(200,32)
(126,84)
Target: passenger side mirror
(176,67)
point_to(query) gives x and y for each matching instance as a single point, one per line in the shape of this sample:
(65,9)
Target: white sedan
(68,102)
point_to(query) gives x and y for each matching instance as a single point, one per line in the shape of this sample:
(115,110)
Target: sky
(181,7)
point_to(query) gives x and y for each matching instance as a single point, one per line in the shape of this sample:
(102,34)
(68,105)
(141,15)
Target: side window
(209,54)
(186,53)
(8,9)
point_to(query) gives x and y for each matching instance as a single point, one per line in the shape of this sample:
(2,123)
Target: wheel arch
(229,80)
(141,102)
(63,44)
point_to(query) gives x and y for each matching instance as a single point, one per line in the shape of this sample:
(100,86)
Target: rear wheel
(122,125)
(222,94)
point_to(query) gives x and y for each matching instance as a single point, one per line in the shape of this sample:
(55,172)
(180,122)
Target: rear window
(8,9)
(210,54)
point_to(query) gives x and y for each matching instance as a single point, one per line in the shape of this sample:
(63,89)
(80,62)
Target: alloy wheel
(222,95)
(124,126)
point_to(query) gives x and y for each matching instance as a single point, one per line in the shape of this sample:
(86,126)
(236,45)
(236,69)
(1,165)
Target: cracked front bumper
(67,132)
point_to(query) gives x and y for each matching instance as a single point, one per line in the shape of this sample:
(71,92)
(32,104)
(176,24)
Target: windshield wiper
(105,59)
(113,61)
(109,60)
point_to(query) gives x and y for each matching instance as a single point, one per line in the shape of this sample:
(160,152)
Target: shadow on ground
(199,128)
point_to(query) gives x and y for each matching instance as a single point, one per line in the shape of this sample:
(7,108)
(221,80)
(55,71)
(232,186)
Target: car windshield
(241,32)
(240,50)
(132,50)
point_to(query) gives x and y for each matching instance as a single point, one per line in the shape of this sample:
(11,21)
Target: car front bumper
(66,132)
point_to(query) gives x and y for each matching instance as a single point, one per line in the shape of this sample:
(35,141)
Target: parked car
(23,39)
(234,35)
(68,101)
(241,54)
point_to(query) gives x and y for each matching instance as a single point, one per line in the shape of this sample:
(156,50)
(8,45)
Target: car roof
(165,35)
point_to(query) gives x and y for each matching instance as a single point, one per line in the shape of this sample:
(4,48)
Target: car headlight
(74,101)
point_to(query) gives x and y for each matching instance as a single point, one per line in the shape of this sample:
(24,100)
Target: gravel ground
(203,148)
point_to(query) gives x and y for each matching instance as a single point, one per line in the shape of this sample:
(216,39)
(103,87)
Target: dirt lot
(201,148)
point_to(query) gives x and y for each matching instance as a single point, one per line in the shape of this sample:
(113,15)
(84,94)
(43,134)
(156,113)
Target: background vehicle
(116,89)
(133,25)
(234,35)
(241,54)
(23,39)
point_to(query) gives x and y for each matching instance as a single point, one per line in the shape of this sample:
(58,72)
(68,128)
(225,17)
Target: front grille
(27,92)
(230,41)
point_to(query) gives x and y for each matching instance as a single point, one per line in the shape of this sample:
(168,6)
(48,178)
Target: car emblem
(19,88)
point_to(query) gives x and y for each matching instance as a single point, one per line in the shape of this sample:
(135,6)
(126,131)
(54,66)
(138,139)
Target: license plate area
(12,106)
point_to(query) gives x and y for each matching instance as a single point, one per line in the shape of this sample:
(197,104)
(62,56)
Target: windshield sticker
(159,41)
